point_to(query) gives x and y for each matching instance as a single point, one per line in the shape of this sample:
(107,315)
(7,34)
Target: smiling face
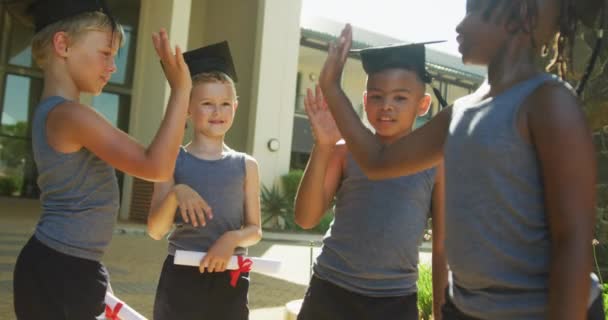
(393,100)
(212,107)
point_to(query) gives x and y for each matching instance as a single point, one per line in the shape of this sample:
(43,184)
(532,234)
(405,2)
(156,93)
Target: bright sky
(408,20)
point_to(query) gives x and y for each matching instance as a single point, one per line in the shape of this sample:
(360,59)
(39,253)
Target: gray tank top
(372,245)
(79,194)
(222,184)
(497,234)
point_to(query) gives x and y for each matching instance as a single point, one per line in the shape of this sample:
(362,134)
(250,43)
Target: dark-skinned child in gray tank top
(520,166)
(368,266)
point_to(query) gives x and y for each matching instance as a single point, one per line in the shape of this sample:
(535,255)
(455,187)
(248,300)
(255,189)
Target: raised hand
(336,58)
(174,66)
(324,127)
(192,207)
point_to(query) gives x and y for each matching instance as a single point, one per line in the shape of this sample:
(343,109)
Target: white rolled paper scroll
(125,312)
(194,258)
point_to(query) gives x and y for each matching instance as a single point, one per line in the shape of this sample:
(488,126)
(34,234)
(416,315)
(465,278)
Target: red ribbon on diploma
(244,266)
(113,314)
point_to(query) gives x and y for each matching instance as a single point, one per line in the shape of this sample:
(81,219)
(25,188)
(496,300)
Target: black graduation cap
(41,13)
(410,56)
(215,57)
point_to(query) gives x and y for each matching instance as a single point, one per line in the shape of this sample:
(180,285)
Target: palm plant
(275,207)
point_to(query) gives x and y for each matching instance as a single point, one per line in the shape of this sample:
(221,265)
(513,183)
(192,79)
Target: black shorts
(450,312)
(48,284)
(326,301)
(186,294)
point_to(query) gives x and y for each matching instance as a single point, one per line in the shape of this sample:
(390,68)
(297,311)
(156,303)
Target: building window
(16,159)
(114,107)
(21,88)
(124,65)
(20,49)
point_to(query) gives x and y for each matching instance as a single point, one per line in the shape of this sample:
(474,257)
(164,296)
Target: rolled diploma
(194,258)
(126,312)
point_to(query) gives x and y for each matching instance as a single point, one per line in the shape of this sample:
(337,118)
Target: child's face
(493,27)
(393,100)
(90,60)
(480,39)
(212,108)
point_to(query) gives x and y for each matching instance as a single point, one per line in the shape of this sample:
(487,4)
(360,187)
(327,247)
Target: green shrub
(325,222)
(275,208)
(605,296)
(320,228)
(291,181)
(600,253)
(278,206)
(425,291)
(8,186)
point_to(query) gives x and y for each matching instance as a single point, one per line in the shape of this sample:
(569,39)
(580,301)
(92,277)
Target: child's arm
(162,210)
(417,151)
(440,266)
(71,126)
(324,166)
(219,254)
(558,130)
(167,197)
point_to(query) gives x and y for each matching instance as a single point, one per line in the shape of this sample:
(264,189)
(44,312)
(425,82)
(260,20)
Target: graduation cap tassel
(596,50)
(442,102)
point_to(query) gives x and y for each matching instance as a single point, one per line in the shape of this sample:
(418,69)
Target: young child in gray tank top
(368,266)
(76,151)
(212,200)
(519,162)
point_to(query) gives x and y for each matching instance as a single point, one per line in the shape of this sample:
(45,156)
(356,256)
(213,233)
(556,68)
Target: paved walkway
(134,262)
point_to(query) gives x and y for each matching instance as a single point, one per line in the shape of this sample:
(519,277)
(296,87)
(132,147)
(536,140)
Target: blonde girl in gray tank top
(520,168)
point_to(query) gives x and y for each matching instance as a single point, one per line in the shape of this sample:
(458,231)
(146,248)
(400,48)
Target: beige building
(450,76)
(276,58)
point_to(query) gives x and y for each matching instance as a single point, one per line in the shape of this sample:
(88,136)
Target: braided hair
(564,40)
(600,41)
(522,15)
(573,14)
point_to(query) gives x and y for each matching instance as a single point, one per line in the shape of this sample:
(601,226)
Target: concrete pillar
(235,21)
(274,86)
(150,88)
(264,37)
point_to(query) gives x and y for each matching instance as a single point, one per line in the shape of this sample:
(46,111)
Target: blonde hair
(213,77)
(75,27)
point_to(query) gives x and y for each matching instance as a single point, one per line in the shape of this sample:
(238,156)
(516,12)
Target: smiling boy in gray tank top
(368,267)
(213,201)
